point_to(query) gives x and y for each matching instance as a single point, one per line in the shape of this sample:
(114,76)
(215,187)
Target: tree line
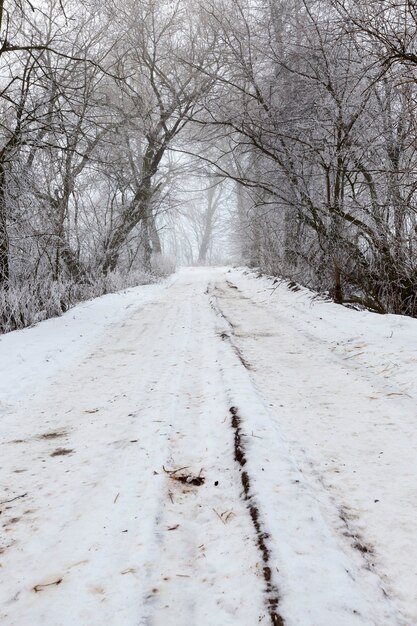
(305,107)
(91,97)
(315,121)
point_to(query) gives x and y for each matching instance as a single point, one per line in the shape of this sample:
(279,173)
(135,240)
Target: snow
(30,356)
(99,405)
(344,398)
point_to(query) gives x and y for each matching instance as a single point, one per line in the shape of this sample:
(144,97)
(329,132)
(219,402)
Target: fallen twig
(352,356)
(39,587)
(174,471)
(186,479)
(220,517)
(13,499)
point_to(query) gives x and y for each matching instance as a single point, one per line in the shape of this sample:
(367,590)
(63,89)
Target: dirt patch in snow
(52,435)
(357,541)
(62,452)
(261,535)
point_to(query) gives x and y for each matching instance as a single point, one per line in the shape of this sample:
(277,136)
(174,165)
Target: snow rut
(272,594)
(206,566)
(320,579)
(240,455)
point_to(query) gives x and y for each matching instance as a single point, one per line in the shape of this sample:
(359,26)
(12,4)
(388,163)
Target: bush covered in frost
(27,302)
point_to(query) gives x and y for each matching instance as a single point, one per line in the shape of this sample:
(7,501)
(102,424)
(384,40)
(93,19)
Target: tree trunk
(208,225)
(154,235)
(4,239)
(136,211)
(338,291)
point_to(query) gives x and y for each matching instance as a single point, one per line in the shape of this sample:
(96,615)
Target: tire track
(271,589)
(193,543)
(309,553)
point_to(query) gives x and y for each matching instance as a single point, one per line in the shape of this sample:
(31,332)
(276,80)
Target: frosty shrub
(24,303)
(162,265)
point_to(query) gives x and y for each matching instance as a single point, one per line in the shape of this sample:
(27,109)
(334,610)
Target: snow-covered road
(201,377)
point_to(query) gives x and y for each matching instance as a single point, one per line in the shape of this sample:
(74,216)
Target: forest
(276,134)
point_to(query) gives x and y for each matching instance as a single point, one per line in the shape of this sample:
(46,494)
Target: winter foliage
(292,121)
